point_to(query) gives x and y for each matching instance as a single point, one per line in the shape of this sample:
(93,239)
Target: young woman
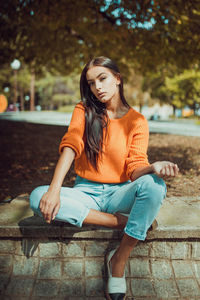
(108,140)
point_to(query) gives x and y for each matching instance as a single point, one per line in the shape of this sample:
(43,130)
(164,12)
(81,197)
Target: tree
(184,89)
(62,34)
(176,88)
(55,90)
(7,82)
(149,36)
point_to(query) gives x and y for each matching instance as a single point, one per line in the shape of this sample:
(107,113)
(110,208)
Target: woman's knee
(36,196)
(154,188)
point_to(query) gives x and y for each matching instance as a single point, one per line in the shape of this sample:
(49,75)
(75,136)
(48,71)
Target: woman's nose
(98,86)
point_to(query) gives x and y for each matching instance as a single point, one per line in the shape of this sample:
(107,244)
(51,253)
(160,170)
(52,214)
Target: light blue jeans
(140,199)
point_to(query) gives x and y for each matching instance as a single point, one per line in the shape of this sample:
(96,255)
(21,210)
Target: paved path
(182,127)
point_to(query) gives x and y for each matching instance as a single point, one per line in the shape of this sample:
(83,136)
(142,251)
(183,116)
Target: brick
(142,287)
(180,250)
(25,266)
(86,298)
(7,246)
(196,268)
(71,288)
(47,298)
(141,249)
(161,269)
(17,298)
(165,289)
(96,249)
(196,250)
(6,297)
(75,298)
(46,288)
(5,263)
(50,249)
(93,298)
(19,286)
(94,267)
(4,279)
(94,287)
(139,267)
(149,298)
(182,269)
(73,269)
(27,247)
(188,287)
(73,249)
(160,250)
(49,269)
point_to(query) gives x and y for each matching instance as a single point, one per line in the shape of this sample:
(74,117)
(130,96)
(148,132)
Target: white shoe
(116,286)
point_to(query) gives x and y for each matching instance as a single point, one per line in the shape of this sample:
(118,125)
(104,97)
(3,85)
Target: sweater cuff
(133,166)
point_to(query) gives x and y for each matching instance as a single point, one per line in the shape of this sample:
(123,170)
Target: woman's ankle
(117,266)
(121,220)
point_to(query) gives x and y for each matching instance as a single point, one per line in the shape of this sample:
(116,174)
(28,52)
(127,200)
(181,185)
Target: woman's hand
(165,168)
(50,202)
(49,205)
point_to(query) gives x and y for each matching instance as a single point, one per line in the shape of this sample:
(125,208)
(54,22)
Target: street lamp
(15,65)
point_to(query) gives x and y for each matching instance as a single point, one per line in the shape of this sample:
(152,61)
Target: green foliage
(177,89)
(159,39)
(66,108)
(56,90)
(63,35)
(184,88)
(7,79)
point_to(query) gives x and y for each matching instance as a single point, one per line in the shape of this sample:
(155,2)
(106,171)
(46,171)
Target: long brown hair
(96,118)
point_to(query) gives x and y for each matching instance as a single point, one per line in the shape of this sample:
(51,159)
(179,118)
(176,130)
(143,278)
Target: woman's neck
(115,108)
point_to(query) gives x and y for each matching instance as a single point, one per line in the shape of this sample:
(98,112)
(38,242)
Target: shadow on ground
(29,153)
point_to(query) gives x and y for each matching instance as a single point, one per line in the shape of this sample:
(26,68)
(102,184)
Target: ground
(29,153)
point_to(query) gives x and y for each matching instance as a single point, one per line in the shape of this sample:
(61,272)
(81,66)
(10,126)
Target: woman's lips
(101,94)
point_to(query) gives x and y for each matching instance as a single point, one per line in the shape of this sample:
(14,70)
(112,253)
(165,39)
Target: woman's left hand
(165,168)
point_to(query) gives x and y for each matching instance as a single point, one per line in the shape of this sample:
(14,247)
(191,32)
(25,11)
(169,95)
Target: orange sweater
(124,149)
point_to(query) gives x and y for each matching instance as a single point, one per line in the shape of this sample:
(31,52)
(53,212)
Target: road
(182,127)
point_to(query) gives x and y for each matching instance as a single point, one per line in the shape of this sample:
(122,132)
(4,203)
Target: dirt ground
(29,152)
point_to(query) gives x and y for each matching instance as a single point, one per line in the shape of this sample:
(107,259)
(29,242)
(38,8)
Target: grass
(197,122)
(66,108)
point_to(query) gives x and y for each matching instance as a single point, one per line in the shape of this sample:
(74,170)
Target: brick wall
(74,269)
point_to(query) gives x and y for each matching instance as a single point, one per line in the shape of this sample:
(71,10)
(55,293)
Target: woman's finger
(168,170)
(176,169)
(163,171)
(47,213)
(55,211)
(171,170)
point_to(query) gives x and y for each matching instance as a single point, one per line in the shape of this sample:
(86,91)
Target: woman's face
(103,83)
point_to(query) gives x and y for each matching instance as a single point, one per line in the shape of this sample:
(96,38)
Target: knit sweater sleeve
(74,136)
(139,138)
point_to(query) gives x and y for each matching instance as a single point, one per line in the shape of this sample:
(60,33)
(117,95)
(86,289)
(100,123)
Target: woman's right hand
(50,204)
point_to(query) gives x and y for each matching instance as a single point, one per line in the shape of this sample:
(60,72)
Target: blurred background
(45,44)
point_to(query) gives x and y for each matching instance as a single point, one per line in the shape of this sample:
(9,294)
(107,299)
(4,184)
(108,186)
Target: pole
(15,89)
(32,90)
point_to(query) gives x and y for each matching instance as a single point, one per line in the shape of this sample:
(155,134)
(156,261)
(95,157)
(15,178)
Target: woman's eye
(102,78)
(91,83)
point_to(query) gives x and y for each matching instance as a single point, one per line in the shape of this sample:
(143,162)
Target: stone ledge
(178,219)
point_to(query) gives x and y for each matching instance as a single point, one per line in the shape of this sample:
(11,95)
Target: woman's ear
(118,79)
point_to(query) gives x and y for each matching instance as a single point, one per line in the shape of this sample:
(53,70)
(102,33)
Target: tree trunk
(32,89)
(174,109)
(15,90)
(21,99)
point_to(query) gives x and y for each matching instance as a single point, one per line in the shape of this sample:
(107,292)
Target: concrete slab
(178,218)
